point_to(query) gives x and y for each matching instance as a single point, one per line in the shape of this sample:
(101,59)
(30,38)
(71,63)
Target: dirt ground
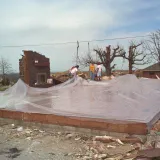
(35,143)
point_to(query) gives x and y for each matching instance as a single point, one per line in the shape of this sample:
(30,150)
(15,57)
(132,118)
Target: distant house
(34,68)
(152,71)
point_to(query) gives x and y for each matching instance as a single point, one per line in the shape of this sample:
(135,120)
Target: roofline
(151,65)
(150,70)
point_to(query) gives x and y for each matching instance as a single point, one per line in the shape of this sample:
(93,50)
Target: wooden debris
(108,139)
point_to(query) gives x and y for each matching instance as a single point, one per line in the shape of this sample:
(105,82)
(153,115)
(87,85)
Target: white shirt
(74,70)
(99,68)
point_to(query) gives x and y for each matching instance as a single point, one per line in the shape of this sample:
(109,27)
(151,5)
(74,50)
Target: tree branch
(113,66)
(117,52)
(152,45)
(140,59)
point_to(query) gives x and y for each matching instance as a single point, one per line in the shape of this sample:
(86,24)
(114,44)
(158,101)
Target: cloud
(59,16)
(51,21)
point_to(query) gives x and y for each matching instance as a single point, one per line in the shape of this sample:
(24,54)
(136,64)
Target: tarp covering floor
(124,98)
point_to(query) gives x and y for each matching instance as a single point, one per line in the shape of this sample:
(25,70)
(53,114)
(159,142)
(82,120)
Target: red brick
(41,118)
(51,119)
(73,122)
(111,126)
(61,120)
(137,128)
(17,115)
(7,114)
(28,117)
(30,69)
(1,113)
(92,124)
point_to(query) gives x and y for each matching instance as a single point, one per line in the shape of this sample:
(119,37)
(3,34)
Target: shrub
(5,82)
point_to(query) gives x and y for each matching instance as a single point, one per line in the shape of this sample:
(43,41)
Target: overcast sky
(51,21)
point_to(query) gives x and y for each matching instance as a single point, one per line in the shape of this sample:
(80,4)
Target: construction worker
(73,71)
(92,71)
(99,71)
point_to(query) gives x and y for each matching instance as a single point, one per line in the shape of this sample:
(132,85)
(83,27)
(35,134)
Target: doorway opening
(41,78)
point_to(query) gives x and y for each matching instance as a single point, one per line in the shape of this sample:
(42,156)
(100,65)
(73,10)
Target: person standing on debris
(92,71)
(73,71)
(99,71)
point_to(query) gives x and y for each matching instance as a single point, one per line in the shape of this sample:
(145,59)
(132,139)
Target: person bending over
(73,71)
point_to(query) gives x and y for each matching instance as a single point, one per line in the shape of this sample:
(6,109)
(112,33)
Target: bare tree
(105,57)
(152,45)
(135,56)
(5,67)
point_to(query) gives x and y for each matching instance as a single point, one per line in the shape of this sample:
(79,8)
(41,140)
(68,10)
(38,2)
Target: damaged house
(34,68)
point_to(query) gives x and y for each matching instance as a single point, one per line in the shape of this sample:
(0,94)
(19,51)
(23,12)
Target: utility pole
(88,48)
(77,53)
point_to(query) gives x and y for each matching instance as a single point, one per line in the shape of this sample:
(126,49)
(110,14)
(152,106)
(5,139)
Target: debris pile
(86,147)
(108,78)
(63,77)
(129,148)
(157,126)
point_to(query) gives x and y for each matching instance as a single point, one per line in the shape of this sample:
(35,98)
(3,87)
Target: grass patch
(3,88)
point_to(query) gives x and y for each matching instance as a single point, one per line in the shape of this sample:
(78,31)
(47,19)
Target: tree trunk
(3,73)
(108,61)
(108,70)
(130,67)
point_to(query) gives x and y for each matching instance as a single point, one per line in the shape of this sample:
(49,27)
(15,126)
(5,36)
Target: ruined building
(34,68)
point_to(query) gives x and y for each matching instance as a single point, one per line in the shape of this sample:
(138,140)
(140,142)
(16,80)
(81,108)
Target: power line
(71,42)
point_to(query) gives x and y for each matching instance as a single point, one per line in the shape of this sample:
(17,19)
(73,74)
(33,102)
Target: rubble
(157,144)
(85,146)
(107,139)
(116,157)
(97,147)
(77,139)
(87,158)
(131,140)
(100,156)
(108,77)
(110,146)
(157,127)
(68,136)
(20,129)
(29,138)
(149,153)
